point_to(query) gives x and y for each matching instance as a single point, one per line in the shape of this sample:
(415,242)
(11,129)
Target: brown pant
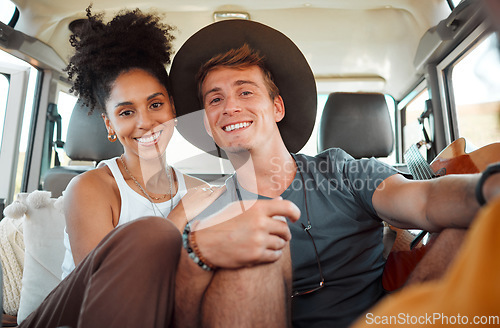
(128,280)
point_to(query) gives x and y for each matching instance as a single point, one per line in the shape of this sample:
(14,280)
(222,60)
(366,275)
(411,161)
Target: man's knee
(234,296)
(271,276)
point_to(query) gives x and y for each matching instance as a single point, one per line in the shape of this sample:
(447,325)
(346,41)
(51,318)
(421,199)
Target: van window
(311,147)
(18,83)
(7,9)
(476,92)
(412,128)
(65,106)
(26,127)
(391,105)
(4,89)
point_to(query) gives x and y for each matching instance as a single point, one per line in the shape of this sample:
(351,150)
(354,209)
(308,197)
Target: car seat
(86,140)
(359,123)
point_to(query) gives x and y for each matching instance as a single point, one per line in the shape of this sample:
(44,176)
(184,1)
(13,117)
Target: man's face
(240,115)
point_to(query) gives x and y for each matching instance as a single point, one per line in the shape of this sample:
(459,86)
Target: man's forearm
(451,202)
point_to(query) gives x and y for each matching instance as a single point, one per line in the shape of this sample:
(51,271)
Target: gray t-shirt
(346,231)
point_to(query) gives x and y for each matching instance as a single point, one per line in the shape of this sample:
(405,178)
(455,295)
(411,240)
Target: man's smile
(236,126)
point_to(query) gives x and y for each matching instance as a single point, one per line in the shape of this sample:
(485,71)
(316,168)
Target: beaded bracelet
(490,170)
(189,243)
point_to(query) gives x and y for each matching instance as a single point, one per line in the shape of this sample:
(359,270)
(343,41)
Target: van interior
(390,75)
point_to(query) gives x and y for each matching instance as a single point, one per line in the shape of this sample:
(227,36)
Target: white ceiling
(355,45)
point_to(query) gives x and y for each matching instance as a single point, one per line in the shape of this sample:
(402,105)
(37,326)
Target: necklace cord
(153,204)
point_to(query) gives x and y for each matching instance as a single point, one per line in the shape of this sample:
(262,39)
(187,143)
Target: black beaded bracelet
(490,170)
(191,252)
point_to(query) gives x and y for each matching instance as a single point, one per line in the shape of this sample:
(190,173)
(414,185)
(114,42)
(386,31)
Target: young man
(256,90)
(469,292)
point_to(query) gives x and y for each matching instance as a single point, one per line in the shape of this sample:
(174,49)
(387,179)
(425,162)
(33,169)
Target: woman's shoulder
(97,181)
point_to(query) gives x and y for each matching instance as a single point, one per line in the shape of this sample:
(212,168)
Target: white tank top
(133,206)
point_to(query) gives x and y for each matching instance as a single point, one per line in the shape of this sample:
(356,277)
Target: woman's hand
(193,203)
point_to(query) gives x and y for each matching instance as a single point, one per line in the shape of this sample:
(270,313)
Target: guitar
(459,157)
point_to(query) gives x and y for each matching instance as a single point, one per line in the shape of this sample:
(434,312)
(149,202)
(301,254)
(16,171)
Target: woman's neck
(153,174)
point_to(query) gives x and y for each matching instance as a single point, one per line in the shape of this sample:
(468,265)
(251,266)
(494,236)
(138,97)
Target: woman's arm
(91,208)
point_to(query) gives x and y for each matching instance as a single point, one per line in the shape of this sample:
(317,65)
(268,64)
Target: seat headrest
(359,123)
(87,137)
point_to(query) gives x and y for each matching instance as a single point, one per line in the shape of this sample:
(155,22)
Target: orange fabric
(469,291)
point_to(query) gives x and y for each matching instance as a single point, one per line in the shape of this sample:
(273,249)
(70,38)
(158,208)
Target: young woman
(119,69)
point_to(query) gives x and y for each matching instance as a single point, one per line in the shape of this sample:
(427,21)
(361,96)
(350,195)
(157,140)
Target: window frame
(12,21)
(19,77)
(400,146)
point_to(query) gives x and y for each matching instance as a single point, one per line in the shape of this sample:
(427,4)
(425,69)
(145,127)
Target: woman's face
(141,114)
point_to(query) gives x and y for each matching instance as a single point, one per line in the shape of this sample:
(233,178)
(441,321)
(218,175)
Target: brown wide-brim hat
(285,61)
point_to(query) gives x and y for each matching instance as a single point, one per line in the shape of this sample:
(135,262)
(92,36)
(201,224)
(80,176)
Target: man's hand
(235,238)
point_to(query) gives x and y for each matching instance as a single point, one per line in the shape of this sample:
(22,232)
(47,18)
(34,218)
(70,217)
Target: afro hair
(132,39)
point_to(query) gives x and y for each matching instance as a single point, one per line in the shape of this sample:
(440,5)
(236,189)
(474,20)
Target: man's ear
(206,124)
(279,108)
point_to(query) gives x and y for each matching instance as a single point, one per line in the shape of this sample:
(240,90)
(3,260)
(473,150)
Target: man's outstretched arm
(431,205)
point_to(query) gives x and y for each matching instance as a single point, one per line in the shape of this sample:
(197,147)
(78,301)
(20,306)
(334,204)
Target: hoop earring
(112,137)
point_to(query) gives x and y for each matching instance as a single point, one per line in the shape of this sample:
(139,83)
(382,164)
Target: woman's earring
(112,137)
(175,121)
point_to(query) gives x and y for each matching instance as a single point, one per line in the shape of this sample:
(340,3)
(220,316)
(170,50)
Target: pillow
(44,247)
(12,256)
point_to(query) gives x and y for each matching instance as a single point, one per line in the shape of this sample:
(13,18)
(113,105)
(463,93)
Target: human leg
(126,281)
(257,296)
(438,257)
